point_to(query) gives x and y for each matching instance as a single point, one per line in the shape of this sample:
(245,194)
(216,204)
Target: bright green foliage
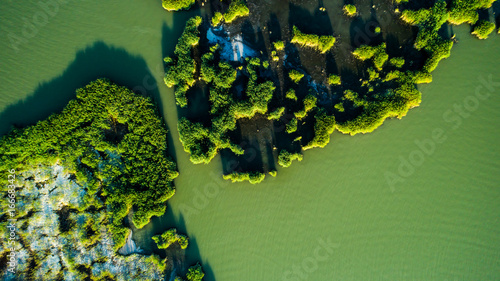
(373,74)
(180,71)
(394,104)
(334,79)
(217,19)
(115,142)
(429,22)
(195,273)
(422,77)
(483,29)
(295,75)
(273,173)
(170,237)
(252,177)
(309,104)
(197,141)
(285,158)
(465,11)
(176,5)
(339,107)
(221,73)
(321,43)
(203,142)
(259,93)
(397,62)
(290,94)
(378,30)
(236,9)
(439,50)
(376,53)
(323,128)
(279,45)
(350,10)
(276,114)
(292,126)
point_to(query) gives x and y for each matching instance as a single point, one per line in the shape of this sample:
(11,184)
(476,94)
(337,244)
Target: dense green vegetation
(195,273)
(290,94)
(252,177)
(350,10)
(321,43)
(295,75)
(115,144)
(376,53)
(465,11)
(483,29)
(323,127)
(217,19)
(111,146)
(334,79)
(170,237)
(203,142)
(176,5)
(306,110)
(180,71)
(237,9)
(279,45)
(286,158)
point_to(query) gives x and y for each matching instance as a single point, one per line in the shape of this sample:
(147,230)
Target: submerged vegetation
(299,109)
(83,170)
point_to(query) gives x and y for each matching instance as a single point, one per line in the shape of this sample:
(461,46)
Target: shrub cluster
(377,53)
(176,5)
(115,143)
(237,9)
(350,10)
(321,43)
(252,177)
(286,158)
(180,71)
(170,237)
(483,29)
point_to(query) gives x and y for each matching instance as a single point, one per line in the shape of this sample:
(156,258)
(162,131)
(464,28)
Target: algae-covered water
(418,199)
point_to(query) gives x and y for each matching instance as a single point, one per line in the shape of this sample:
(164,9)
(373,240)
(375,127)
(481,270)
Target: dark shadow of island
(96,61)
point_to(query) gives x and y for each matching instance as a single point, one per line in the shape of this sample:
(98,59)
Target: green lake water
(439,220)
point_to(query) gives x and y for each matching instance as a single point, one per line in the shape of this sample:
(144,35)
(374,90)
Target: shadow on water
(96,61)
(183,258)
(317,23)
(496,13)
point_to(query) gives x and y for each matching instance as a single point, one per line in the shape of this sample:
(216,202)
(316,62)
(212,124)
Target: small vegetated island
(261,91)
(77,176)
